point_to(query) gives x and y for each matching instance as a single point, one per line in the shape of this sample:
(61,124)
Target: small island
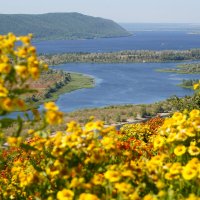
(191,68)
(188,83)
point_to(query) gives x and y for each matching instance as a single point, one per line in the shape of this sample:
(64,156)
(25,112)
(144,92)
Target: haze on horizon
(126,11)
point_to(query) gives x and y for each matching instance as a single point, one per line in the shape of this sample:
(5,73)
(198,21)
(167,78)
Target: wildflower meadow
(156,160)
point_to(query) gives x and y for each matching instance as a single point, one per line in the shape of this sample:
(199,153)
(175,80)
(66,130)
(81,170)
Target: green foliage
(118,118)
(125,57)
(188,83)
(188,102)
(60,26)
(192,68)
(6,122)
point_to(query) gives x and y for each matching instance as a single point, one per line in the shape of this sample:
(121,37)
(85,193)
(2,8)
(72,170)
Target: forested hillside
(60,26)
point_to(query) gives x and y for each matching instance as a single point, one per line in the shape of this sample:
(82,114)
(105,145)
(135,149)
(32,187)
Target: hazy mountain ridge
(60,26)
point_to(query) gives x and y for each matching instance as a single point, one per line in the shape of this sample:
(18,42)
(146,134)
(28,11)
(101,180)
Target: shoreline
(87,81)
(93,38)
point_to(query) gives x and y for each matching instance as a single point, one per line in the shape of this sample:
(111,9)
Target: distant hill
(60,26)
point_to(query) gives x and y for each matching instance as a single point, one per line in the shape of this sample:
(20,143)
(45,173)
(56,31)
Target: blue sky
(170,11)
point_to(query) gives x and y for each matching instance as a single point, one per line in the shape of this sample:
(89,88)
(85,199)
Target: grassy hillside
(60,26)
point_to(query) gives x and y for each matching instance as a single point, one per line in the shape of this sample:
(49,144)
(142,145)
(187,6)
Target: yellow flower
(195,161)
(160,184)
(50,106)
(191,132)
(158,159)
(14,141)
(76,182)
(65,195)
(12,37)
(73,127)
(9,42)
(45,66)
(179,117)
(7,104)
(97,179)
(193,197)
(91,118)
(21,52)
(53,117)
(3,91)
(34,71)
(123,187)
(112,176)
(176,168)
(90,126)
(25,39)
(32,50)
(180,150)
(192,164)
(31,60)
(196,86)
(5,68)
(108,143)
(194,113)
(1,81)
(22,71)
(193,150)
(149,197)
(188,173)
(158,142)
(169,176)
(87,196)
(127,173)
(171,137)
(181,136)
(161,193)
(134,196)
(27,178)
(31,131)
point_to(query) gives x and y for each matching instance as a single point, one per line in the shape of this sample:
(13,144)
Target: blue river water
(115,84)
(140,40)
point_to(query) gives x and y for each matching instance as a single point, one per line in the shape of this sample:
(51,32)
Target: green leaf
(28,147)
(6,122)
(20,125)
(35,166)
(23,91)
